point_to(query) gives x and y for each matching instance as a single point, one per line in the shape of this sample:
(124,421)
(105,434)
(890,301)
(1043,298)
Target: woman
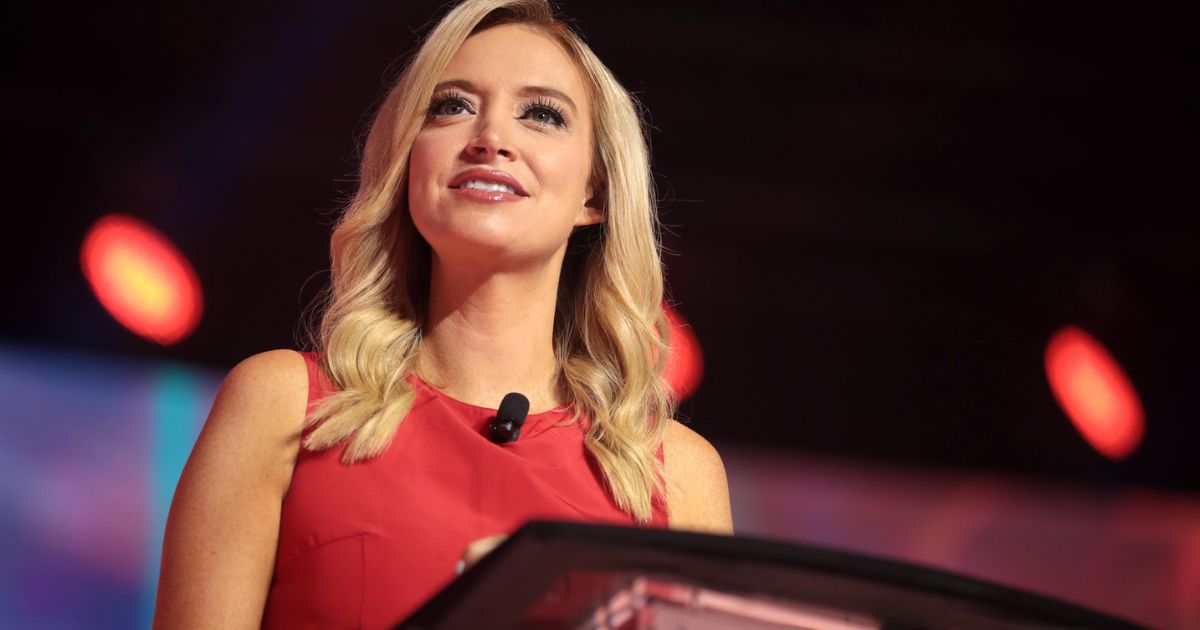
(503,239)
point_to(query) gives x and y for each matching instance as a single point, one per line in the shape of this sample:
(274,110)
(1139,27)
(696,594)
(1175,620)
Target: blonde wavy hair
(610,334)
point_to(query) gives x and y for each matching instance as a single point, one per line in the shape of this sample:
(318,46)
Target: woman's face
(499,173)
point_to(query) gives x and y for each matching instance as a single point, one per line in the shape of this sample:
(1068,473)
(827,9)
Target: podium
(564,575)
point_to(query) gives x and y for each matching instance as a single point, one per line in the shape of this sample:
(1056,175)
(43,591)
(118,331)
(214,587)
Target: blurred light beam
(685,363)
(1094,392)
(141,279)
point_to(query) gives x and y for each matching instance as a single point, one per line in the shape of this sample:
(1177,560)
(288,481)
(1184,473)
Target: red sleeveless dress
(364,545)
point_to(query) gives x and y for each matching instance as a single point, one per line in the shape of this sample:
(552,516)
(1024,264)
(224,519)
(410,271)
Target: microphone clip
(504,430)
(506,426)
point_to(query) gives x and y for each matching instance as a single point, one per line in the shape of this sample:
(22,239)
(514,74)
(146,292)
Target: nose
(491,141)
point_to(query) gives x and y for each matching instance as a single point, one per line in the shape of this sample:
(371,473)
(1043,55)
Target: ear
(591,212)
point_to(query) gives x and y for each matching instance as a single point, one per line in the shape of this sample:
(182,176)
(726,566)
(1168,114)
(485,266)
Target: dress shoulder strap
(318,384)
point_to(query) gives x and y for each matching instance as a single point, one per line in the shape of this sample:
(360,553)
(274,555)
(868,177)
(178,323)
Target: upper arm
(698,492)
(223,527)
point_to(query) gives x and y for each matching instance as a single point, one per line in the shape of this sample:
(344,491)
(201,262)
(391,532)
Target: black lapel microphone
(506,426)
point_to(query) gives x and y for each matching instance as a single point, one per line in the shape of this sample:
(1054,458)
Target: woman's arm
(223,528)
(699,500)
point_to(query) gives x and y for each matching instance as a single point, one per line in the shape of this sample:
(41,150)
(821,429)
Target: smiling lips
(482,184)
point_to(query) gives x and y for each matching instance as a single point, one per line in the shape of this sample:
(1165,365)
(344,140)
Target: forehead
(513,56)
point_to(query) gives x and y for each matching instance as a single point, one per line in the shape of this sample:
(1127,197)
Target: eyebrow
(529,90)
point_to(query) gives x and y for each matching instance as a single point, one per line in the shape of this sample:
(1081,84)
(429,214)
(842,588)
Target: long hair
(610,335)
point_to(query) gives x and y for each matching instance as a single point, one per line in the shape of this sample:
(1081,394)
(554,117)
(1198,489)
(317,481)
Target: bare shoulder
(257,418)
(268,379)
(252,433)
(258,414)
(688,448)
(699,498)
(223,526)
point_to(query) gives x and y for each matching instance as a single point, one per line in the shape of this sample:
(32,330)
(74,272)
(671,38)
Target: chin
(470,230)
(484,235)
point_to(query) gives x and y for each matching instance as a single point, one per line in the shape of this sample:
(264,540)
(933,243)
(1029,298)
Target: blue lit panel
(90,451)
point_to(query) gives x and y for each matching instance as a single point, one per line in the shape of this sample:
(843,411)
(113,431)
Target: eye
(544,113)
(451,104)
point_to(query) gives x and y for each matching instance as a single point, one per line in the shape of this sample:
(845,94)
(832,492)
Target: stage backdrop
(91,447)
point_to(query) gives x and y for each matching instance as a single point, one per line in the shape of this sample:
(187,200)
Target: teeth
(489,186)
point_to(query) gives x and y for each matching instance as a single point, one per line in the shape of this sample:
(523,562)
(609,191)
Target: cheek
(570,169)
(424,164)
(419,165)
(421,174)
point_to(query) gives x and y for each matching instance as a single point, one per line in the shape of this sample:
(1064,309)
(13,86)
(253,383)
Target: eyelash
(546,106)
(442,99)
(541,104)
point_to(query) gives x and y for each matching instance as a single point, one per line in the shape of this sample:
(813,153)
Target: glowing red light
(685,365)
(141,279)
(1094,392)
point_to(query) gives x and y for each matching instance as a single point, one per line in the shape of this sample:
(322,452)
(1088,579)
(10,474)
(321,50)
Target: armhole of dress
(314,385)
(658,503)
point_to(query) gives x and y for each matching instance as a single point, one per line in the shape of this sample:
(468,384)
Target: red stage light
(685,364)
(1094,392)
(141,279)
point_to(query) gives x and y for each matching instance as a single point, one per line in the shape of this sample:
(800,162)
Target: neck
(491,332)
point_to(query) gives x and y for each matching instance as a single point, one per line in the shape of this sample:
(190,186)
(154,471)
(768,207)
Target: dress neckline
(564,411)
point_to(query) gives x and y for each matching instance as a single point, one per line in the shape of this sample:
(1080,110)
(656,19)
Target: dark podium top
(574,575)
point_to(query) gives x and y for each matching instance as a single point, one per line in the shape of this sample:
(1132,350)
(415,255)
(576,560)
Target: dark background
(878,214)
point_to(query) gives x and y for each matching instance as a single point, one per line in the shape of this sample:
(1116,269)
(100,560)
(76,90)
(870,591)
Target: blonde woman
(503,239)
